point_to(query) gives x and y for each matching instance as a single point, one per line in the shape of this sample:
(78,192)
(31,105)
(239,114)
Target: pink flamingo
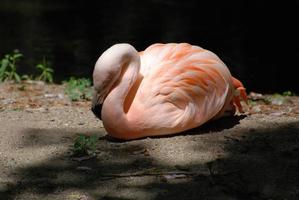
(166,89)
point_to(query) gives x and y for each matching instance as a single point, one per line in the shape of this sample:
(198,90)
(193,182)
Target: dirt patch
(253,156)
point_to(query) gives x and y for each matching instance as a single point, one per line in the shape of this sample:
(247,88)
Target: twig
(148,173)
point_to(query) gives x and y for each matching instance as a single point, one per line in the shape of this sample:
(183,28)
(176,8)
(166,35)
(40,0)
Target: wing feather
(194,83)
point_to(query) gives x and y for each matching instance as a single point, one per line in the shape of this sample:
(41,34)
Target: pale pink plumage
(166,89)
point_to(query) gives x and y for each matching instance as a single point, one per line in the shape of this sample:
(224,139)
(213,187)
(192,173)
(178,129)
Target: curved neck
(113,113)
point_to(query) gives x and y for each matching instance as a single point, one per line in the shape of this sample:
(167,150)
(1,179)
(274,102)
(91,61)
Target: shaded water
(254,39)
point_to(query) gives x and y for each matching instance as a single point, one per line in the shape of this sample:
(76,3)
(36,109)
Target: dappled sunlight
(234,157)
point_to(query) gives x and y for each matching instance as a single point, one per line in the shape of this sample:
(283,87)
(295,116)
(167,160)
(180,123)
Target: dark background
(258,40)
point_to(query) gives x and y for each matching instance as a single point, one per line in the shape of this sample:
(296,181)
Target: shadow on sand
(258,164)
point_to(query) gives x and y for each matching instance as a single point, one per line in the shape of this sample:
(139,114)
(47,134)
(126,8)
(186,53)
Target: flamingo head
(106,73)
(104,78)
(102,87)
(108,69)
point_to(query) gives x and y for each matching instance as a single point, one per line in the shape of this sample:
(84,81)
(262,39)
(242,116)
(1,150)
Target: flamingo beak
(96,106)
(97,110)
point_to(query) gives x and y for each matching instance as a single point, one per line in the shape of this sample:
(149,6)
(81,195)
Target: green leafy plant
(8,67)
(288,93)
(46,71)
(85,145)
(278,99)
(78,89)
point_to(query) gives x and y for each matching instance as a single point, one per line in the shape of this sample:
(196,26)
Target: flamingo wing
(183,86)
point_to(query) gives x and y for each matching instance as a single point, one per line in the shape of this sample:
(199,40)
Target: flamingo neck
(114,115)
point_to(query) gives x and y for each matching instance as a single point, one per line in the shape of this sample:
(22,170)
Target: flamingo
(163,90)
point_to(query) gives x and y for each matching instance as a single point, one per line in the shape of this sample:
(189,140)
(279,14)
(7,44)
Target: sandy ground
(253,156)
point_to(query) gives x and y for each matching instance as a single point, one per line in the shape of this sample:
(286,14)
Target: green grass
(46,72)
(78,89)
(85,145)
(8,67)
